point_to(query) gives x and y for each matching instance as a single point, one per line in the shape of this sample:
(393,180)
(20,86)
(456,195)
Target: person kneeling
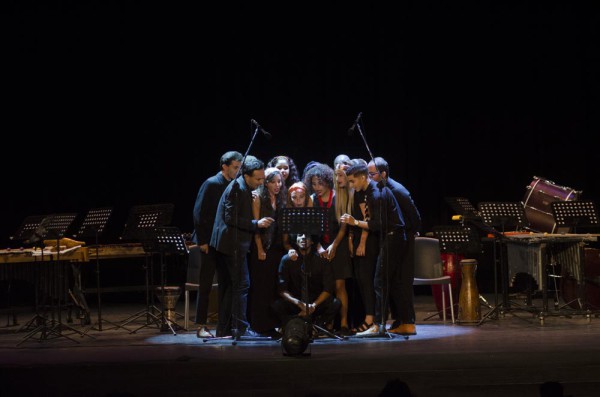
(306,286)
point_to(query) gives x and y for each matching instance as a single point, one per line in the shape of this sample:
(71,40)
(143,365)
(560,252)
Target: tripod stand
(140,226)
(306,222)
(93,226)
(30,233)
(501,215)
(167,240)
(55,226)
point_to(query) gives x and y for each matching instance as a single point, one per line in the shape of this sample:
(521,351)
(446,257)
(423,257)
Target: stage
(508,355)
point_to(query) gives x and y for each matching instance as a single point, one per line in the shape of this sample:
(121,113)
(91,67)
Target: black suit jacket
(234,224)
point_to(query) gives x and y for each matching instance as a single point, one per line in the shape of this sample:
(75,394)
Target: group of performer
(267,276)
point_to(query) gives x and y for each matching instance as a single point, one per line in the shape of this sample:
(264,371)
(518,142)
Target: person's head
(308,167)
(339,159)
(551,389)
(230,164)
(320,179)
(341,181)
(396,388)
(273,181)
(378,169)
(297,196)
(344,194)
(253,171)
(304,241)
(358,176)
(287,167)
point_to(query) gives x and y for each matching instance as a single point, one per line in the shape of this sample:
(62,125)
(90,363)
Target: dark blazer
(234,224)
(412,217)
(205,207)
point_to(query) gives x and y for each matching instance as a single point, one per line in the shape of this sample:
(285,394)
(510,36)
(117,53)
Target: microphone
(351,129)
(265,132)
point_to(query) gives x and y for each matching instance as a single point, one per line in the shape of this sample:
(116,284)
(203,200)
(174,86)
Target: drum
(170,296)
(469,308)
(538,211)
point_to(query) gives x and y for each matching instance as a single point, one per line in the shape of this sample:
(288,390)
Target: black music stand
(457,240)
(308,221)
(26,232)
(140,227)
(165,240)
(55,226)
(92,227)
(29,233)
(463,206)
(501,216)
(573,214)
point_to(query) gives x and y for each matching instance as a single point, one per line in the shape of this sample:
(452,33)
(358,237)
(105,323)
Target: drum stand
(501,215)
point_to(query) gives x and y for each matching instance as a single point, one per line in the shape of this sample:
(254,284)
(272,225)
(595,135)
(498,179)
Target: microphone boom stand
(382,325)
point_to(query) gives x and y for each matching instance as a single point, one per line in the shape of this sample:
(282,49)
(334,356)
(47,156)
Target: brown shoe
(404,329)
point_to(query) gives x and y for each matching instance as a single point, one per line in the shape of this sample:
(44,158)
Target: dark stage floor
(508,355)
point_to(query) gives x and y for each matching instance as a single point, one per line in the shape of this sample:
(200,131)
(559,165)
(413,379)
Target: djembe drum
(469,308)
(171,296)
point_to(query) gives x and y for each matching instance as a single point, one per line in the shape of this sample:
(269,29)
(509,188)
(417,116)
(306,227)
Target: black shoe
(345,331)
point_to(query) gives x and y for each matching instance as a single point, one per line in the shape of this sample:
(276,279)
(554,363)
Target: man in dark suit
(232,233)
(404,314)
(205,210)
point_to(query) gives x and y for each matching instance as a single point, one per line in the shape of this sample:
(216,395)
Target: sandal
(362,327)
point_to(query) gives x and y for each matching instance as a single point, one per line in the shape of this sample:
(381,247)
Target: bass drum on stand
(538,211)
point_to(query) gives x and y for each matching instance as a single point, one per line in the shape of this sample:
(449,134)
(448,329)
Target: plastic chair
(429,269)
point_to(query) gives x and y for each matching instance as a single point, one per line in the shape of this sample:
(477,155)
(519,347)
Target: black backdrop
(129,103)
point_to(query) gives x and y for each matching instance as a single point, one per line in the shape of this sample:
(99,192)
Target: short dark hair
(252,164)
(381,165)
(231,156)
(358,168)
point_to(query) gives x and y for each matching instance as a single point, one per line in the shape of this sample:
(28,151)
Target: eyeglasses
(373,173)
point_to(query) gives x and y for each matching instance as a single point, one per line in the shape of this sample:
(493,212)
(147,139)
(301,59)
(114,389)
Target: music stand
(501,215)
(92,227)
(308,221)
(140,227)
(28,229)
(462,206)
(456,240)
(165,240)
(574,213)
(26,234)
(55,226)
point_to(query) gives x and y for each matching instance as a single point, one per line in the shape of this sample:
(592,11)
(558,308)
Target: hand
(204,248)
(264,223)
(347,218)
(262,255)
(293,254)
